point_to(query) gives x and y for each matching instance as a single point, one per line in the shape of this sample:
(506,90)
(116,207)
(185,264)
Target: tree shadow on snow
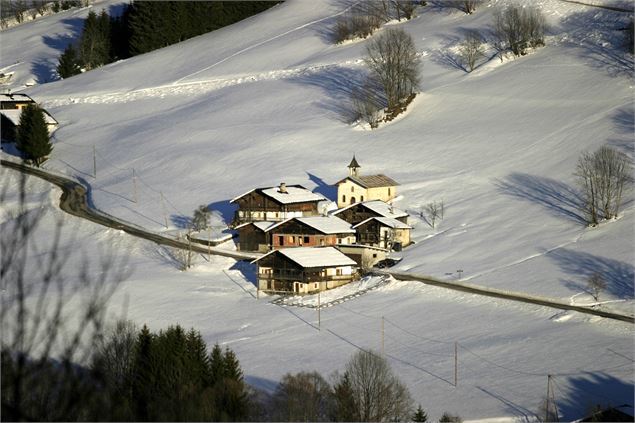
(578,395)
(72,30)
(327,190)
(618,275)
(600,37)
(44,71)
(338,83)
(624,120)
(180,221)
(559,198)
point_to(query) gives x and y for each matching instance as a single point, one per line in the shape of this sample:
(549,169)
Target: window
(322,241)
(352,188)
(281,240)
(338,272)
(343,199)
(292,239)
(315,285)
(388,191)
(306,239)
(352,200)
(361,198)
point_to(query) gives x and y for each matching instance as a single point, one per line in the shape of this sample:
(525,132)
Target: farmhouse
(356,187)
(276,204)
(11,106)
(359,212)
(304,270)
(311,232)
(383,232)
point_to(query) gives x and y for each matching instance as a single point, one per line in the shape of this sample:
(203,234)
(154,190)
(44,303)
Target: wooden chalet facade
(276,204)
(383,232)
(311,232)
(304,270)
(358,212)
(357,188)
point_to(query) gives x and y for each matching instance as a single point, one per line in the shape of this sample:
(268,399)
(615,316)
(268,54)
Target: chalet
(11,106)
(358,212)
(252,236)
(276,204)
(311,231)
(383,232)
(304,270)
(356,188)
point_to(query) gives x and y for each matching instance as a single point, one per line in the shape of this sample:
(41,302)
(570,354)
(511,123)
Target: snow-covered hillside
(267,100)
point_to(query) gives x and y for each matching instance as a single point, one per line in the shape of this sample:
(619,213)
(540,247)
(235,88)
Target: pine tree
(32,135)
(94,45)
(143,379)
(68,63)
(345,408)
(216,364)
(420,415)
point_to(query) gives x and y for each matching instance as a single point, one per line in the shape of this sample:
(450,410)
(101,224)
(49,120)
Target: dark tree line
(134,376)
(145,26)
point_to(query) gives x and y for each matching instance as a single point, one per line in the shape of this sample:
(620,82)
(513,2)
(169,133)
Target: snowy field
(267,101)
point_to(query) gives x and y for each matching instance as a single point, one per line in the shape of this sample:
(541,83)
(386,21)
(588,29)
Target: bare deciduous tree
(200,221)
(519,27)
(392,59)
(602,176)
(469,6)
(361,21)
(433,210)
(43,317)
(596,284)
(376,393)
(471,50)
(302,397)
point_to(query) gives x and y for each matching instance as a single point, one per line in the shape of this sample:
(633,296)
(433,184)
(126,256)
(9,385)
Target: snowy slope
(266,100)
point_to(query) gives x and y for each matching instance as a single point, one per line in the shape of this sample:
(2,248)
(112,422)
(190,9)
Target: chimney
(283,188)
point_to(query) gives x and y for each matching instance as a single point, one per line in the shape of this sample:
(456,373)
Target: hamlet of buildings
(284,222)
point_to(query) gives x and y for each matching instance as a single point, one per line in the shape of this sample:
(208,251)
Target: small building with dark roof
(356,187)
(304,270)
(276,204)
(11,106)
(252,236)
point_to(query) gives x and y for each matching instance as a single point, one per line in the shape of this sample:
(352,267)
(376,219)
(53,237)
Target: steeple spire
(353,168)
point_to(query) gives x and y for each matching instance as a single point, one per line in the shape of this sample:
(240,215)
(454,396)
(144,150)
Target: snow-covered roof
(262,225)
(293,194)
(386,221)
(309,257)
(379,207)
(323,224)
(371,181)
(14,116)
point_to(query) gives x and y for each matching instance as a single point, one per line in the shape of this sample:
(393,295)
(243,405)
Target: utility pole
(319,321)
(456,363)
(382,337)
(94,162)
(165,216)
(134,184)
